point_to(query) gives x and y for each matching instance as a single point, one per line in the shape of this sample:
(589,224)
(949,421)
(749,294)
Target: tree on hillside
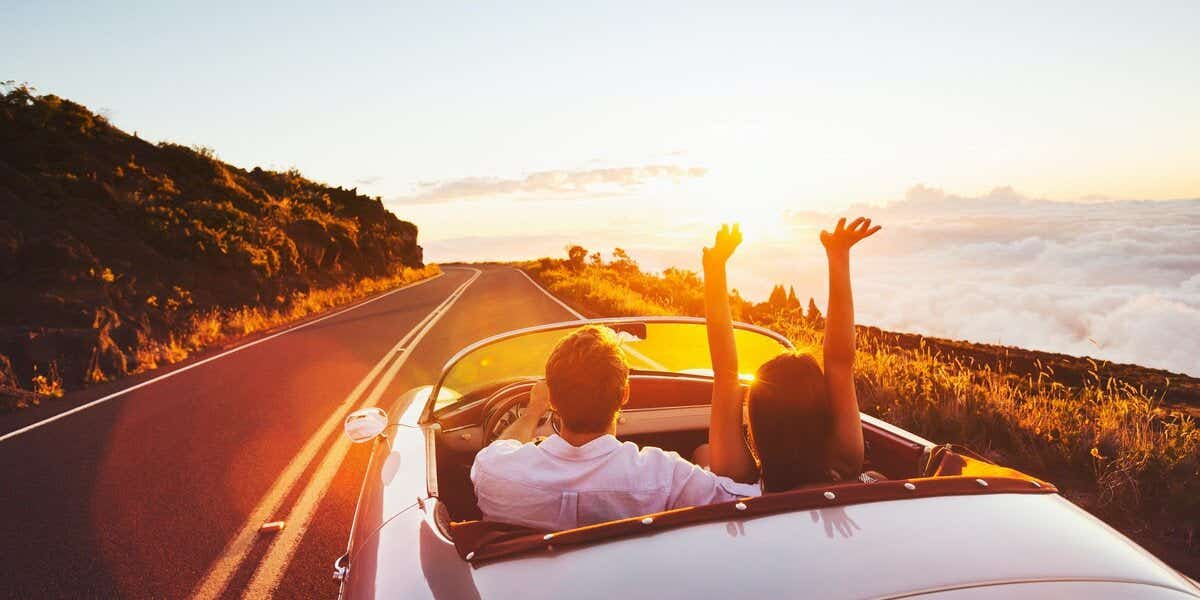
(682,278)
(595,260)
(739,307)
(778,297)
(622,263)
(814,314)
(575,256)
(792,301)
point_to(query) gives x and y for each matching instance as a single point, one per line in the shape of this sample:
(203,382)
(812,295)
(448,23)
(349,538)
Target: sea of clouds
(1112,279)
(1118,280)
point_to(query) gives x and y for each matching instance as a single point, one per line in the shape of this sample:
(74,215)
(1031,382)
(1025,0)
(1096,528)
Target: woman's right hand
(727,241)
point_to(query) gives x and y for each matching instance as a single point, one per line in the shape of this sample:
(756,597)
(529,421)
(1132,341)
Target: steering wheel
(506,405)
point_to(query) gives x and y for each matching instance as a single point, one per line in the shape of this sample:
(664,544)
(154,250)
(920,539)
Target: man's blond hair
(588,377)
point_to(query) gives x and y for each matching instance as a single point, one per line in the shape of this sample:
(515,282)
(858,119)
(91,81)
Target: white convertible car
(944,525)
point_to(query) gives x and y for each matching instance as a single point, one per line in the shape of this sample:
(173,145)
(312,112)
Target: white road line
(234,554)
(537,285)
(653,364)
(279,555)
(82,407)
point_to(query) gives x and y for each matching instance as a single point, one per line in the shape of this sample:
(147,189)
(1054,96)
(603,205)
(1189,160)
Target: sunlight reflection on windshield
(672,347)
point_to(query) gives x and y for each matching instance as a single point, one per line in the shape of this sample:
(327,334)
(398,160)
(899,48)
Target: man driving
(584,475)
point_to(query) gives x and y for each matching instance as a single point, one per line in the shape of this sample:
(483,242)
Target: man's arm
(729,455)
(839,347)
(523,428)
(693,486)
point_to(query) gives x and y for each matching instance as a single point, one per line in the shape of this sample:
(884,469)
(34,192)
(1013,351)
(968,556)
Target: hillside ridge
(116,253)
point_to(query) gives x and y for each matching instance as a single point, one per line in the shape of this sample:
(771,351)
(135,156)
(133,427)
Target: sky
(507,131)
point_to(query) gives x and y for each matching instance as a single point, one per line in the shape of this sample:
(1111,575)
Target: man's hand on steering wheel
(539,399)
(524,427)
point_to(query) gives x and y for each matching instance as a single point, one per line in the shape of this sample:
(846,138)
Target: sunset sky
(508,131)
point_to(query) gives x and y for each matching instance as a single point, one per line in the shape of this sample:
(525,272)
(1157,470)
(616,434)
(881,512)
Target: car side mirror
(366,424)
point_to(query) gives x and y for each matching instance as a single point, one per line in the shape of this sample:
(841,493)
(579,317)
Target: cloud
(1117,280)
(1112,279)
(545,184)
(370,180)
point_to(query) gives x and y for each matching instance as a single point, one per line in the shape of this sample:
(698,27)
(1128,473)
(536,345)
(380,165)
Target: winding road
(156,486)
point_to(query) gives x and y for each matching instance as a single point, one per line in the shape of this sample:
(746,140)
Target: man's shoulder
(501,452)
(502,447)
(656,455)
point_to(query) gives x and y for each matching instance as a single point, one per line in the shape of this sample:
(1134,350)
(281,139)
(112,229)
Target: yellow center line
(227,564)
(270,570)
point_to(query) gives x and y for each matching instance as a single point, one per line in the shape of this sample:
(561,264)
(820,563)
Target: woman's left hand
(843,236)
(728,239)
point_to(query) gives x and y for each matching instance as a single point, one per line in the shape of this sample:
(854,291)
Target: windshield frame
(427,414)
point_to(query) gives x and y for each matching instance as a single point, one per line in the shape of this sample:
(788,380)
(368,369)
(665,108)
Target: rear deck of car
(880,549)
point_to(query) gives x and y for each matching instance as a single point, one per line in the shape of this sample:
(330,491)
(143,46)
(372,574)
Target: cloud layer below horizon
(1118,280)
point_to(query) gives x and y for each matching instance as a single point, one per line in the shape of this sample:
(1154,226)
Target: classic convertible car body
(945,524)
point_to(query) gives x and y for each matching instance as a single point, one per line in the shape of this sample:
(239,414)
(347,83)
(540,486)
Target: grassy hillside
(118,255)
(1103,435)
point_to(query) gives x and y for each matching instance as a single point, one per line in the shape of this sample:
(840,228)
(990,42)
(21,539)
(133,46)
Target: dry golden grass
(204,330)
(610,291)
(48,384)
(1111,446)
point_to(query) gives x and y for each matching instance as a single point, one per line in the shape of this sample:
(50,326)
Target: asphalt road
(144,494)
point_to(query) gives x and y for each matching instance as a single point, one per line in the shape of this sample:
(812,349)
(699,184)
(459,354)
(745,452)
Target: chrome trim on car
(431,506)
(362,489)
(431,432)
(888,427)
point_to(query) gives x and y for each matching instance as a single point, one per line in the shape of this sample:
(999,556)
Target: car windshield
(664,346)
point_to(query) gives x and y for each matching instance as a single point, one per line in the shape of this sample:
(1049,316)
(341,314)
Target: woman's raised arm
(847,448)
(729,455)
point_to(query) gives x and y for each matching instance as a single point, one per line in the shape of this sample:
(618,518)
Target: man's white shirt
(556,486)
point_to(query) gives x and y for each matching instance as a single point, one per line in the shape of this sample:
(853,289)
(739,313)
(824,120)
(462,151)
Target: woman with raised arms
(803,421)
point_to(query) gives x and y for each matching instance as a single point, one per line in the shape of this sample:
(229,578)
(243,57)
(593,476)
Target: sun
(759,221)
(705,205)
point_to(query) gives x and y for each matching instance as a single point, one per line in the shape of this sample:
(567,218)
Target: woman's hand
(727,241)
(728,453)
(846,453)
(844,237)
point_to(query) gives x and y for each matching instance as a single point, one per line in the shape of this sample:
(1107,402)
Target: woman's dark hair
(789,422)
